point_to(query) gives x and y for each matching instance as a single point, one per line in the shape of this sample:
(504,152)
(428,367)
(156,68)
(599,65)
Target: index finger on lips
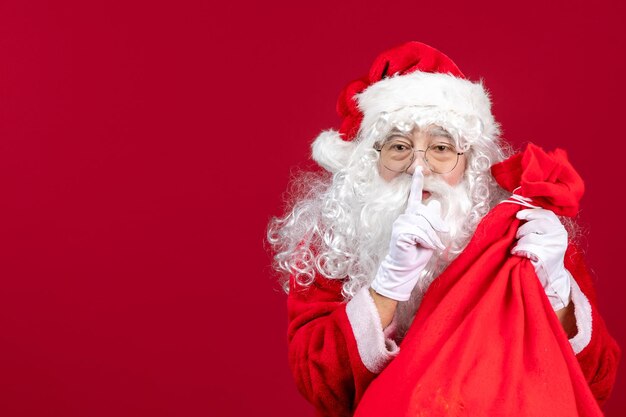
(415,196)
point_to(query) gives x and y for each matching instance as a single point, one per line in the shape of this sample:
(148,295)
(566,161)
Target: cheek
(386,174)
(455,177)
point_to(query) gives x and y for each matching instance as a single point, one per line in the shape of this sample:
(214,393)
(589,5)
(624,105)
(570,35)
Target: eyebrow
(396,132)
(440,131)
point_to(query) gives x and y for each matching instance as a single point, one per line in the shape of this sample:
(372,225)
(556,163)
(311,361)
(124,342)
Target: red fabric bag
(485,341)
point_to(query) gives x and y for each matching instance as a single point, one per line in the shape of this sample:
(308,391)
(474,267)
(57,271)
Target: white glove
(543,240)
(413,240)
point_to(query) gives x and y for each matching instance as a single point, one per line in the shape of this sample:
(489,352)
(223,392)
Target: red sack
(485,340)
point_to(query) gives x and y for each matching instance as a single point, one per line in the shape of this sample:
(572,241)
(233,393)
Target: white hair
(339,225)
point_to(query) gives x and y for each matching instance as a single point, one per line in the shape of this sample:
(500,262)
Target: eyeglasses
(398,155)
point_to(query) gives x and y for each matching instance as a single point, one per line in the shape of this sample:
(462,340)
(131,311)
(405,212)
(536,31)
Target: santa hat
(410,75)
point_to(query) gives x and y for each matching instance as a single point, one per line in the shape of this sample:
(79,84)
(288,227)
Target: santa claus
(407,181)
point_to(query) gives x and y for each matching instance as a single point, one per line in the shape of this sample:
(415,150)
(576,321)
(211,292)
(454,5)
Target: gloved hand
(413,240)
(543,240)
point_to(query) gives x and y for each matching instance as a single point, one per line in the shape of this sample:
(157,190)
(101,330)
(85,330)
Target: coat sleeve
(597,352)
(336,348)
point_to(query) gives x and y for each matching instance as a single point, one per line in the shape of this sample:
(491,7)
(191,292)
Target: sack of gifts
(485,340)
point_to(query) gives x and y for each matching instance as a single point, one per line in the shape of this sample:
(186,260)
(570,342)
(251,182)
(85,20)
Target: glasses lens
(397,155)
(441,157)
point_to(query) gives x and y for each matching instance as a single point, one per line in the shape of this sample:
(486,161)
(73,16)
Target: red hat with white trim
(410,75)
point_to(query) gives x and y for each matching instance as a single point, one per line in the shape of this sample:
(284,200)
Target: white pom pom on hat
(412,74)
(330,151)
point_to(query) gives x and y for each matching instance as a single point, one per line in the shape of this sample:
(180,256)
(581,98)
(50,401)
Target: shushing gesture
(413,241)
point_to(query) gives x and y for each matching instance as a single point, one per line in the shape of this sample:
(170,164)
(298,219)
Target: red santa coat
(336,348)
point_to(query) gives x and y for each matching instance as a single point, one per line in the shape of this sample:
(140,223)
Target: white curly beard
(340,227)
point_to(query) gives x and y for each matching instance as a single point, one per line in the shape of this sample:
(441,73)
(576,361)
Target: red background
(144,147)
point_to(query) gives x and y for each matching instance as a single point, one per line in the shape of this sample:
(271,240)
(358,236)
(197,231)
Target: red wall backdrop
(145,145)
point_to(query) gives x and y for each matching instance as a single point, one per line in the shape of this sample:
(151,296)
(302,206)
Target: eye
(397,144)
(442,148)
(398,147)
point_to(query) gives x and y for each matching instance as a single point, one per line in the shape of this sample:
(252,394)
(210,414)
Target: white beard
(348,224)
(385,201)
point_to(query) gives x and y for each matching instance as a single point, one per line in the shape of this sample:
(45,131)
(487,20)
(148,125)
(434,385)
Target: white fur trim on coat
(444,91)
(330,151)
(582,312)
(375,346)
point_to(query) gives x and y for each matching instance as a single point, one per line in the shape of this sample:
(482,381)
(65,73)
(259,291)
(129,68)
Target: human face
(422,139)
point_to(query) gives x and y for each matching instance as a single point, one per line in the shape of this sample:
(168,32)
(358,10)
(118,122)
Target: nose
(419,160)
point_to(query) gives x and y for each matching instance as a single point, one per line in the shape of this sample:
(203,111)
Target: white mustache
(436,185)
